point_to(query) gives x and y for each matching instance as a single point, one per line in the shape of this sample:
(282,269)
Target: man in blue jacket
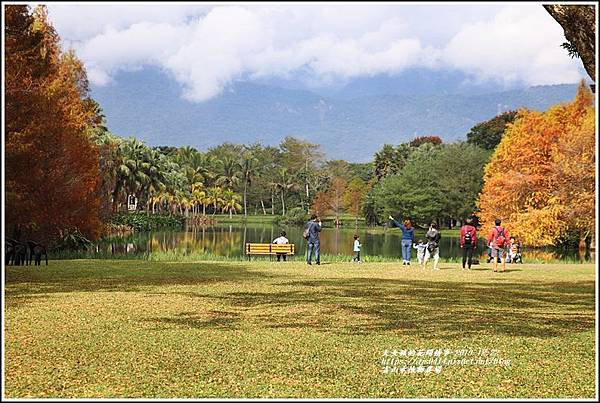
(312,230)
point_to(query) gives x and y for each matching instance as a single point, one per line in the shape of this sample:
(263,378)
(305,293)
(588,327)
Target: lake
(229,240)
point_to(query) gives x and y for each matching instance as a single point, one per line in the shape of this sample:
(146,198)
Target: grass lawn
(101,328)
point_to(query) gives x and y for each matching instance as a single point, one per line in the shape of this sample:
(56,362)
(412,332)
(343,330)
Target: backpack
(306,232)
(431,245)
(500,239)
(432,240)
(468,238)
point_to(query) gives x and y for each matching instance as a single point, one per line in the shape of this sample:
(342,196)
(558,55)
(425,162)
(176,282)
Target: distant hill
(351,123)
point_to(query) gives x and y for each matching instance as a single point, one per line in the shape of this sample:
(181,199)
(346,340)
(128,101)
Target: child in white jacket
(420,247)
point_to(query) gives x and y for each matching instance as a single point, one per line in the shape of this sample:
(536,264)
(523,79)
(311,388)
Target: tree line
(65,171)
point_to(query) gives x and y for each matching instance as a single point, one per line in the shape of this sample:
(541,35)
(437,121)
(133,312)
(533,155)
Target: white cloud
(141,44)
(206,47)
(80,22)
(520,44)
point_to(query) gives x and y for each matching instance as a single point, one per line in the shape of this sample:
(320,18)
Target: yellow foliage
(540,179)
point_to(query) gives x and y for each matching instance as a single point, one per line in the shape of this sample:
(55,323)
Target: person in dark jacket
(468,241)
(433,245)
(408,238)
(314,229)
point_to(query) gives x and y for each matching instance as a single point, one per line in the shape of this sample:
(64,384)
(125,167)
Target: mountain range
(350,121)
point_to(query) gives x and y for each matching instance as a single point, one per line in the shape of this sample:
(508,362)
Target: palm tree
(140,170)
(198,195)
(284,183)
(130,174)
(229,174)
(156,198)
(204,166)
(110,157)
(185,154)
(214,195)
(231,202)
(183,202)
(247,165)
(205,201)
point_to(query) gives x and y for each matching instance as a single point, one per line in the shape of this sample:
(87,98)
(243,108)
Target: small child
(356,249)
(420,247)
(514,252)
(281,240)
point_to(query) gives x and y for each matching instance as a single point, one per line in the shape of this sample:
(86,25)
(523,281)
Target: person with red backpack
(468,241)
(499,239)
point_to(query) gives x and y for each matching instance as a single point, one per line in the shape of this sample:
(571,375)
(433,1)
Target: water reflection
(229,240)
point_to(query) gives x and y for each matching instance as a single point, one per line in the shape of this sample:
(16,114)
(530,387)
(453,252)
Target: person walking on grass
(421,247)
(408,238)
(311,234)
(356,249)
(281,240)
(433,236)
(498,238)
(468,242)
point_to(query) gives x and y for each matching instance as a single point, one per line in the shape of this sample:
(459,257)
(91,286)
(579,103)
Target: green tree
(390,160)
(488,134)
(301,156)
(338,169)
(229,175)
(284,183)
(364,171)
(414,192)
(437,183)
(459,169)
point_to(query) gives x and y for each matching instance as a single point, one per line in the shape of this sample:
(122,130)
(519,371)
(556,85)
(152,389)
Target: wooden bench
(271,249)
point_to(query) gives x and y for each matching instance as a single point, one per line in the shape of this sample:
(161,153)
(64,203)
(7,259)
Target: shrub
(294,216)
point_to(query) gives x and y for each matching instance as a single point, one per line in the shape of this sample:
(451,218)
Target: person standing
(433,236)
(311,234)
(498,238)
(281,240)
(420,247)
(356,249)
(468,241)
(408,238)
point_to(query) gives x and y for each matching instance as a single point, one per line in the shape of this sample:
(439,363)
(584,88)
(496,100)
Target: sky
(205,47)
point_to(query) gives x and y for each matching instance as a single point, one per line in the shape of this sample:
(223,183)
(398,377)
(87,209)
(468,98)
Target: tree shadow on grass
(410,307)
(24,283)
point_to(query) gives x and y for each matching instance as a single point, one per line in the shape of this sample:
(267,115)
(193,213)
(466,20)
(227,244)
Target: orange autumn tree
(51,165)
(331,201)
(353,197)
(524,183)
(573,172)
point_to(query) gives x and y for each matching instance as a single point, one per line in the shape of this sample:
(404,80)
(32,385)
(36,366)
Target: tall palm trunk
(263,206)
(272,204)
(283,202)
(245,191)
